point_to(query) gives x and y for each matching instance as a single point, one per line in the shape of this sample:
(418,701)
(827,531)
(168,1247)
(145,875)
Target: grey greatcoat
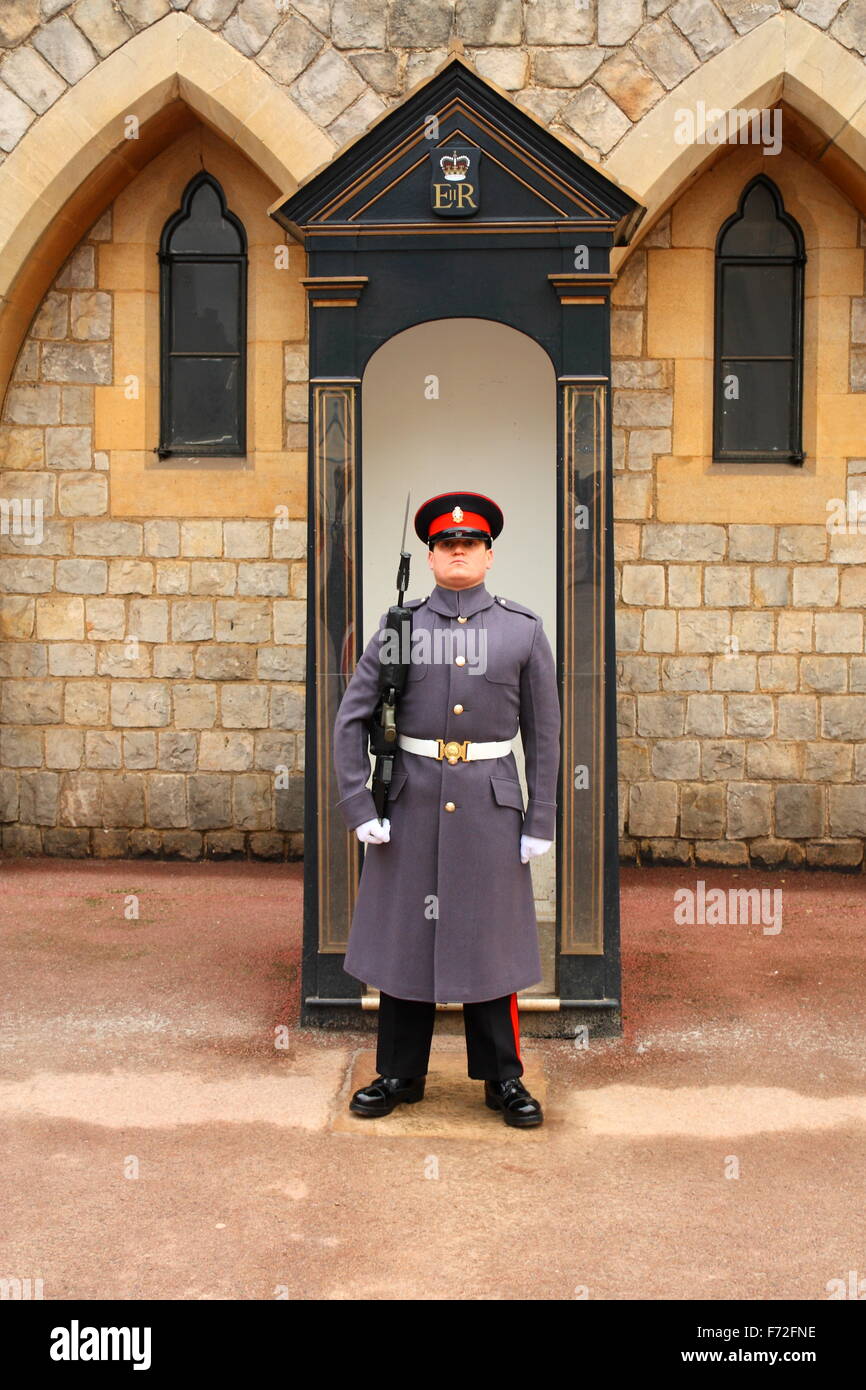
(445,909)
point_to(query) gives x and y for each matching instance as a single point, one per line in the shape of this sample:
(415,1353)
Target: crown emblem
(454,166)
(457,514)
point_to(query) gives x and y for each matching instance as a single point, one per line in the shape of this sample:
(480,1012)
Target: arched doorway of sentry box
(465,403)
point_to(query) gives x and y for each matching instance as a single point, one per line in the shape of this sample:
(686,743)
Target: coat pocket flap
(398,781)
(501,668)
(507,792)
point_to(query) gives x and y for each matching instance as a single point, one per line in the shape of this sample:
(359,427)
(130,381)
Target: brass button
(449,806)
(463,620)
(460,661)
(458,709)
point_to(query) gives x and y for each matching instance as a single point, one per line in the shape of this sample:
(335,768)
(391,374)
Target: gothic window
(759,331)
(203,313)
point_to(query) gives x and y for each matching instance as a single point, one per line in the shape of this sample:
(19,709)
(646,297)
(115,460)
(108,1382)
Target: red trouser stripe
(516,1027)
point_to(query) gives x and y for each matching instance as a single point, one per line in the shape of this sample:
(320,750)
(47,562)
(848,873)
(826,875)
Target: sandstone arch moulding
(784,61)
(76,158)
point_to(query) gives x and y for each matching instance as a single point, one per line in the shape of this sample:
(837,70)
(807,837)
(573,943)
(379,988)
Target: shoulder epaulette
(515,607)
(415,602)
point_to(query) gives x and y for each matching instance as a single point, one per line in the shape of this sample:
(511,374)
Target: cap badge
(457,514)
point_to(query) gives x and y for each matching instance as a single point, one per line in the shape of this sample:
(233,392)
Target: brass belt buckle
(452,750)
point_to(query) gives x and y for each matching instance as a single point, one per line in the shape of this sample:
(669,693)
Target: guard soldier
(445,909)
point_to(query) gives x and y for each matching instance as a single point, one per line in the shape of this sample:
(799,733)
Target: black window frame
(167,447)
(798,260)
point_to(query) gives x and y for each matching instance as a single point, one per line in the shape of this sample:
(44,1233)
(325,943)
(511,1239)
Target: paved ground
(146,1046)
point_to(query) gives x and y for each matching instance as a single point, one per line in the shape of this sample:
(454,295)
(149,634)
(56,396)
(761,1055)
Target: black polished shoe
(380,1097)
(518,1107)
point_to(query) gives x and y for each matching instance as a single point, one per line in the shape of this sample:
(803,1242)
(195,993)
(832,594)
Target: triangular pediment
(525,176)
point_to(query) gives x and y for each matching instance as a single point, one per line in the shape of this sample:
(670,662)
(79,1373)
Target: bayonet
(392,681)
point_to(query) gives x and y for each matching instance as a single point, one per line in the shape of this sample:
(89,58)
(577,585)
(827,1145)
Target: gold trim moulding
(567,283)
(334,290)
(582,277)
(534,1004)
(457,225)
(455,107)
(454,137)
(335,281)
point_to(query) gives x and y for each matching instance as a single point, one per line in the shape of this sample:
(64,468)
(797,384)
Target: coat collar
(465,602)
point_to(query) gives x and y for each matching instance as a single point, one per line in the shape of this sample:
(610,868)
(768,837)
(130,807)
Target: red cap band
(471,519)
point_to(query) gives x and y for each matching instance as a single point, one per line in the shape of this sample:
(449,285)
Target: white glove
(530,847)
(374,832)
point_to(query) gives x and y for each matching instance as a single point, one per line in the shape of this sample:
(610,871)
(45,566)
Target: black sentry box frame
(379,262)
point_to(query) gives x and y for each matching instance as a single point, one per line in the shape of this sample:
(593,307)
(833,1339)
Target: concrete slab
(453,1105)
(296,1098)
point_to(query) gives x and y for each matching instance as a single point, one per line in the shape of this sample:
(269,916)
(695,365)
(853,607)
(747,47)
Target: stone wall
(741,666)
(152,696)
(589,71)
(153,645)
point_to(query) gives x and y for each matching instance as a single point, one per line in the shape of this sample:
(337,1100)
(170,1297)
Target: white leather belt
(454,750)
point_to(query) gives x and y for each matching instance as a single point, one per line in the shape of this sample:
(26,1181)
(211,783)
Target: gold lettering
(466,188)
(440,200)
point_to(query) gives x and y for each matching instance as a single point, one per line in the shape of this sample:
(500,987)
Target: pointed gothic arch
(784,62)
(69,167)
(758,340)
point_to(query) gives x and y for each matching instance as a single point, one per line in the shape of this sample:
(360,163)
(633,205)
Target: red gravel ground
(169,1132)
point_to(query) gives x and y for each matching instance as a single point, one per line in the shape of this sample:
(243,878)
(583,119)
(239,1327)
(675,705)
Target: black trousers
(492,1037)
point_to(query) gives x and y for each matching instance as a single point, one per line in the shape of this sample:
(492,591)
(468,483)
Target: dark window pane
(205,306)
(205,229)
(760,419)
(205,394)
(757,309)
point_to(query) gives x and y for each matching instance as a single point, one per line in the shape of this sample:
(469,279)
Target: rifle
(392,680)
